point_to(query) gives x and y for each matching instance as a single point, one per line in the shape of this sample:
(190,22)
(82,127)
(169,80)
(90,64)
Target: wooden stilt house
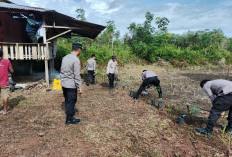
(16,44)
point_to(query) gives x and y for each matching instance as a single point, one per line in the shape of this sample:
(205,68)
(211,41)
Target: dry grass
(113,124)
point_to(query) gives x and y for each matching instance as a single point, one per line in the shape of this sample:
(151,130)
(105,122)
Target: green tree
(110,35)
(81,14)
(229,44)
(162,24)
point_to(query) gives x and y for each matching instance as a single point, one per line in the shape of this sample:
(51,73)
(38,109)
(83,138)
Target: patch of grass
(28,102)
(152,124)
(164,127)
(227,142)
(16,101)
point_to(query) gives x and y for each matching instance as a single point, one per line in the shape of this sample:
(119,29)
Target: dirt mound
(178,64)
(162,63)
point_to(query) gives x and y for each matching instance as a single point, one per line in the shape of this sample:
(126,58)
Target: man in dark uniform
(149,78)
(33,26)
(71,81)
(220,94)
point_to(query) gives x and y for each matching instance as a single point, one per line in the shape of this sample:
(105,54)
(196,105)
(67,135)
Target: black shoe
(227,129)
(73,121)
(204,132)
(134,97)
(93,83)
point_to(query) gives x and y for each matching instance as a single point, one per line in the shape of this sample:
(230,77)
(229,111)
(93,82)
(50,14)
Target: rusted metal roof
(87,29)
(21,7)
(5,1)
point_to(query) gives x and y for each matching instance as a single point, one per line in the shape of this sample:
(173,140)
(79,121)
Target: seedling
(195,110)
(229,142)
(168,108)
(223,137)
(223,130)
(189,134)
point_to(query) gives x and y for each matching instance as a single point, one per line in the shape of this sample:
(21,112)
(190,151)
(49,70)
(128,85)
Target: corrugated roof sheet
(21,7)
(87,29)
(6,1)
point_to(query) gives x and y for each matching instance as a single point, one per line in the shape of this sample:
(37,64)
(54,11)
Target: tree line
(144,42)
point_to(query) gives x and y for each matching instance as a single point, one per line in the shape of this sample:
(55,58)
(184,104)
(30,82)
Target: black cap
(76,46)
(113,57)
(203,82)
(1,53)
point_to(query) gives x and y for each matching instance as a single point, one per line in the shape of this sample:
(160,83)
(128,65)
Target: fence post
(46,65)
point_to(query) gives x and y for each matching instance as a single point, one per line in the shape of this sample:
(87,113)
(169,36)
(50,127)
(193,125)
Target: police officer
(149,78)
(220,94)
(91,67)
(71,81)
(111,70)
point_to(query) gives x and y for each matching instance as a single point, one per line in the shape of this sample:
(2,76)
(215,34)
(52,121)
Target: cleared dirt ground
(113,124)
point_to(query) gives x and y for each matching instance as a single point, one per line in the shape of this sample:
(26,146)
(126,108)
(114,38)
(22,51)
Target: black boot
(72,121)
(206,131)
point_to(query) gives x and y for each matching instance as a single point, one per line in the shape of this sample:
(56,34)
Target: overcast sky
(184,15)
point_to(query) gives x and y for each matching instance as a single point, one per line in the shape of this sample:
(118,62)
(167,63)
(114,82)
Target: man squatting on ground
(220,94)
(111,70)
(91,67)
(149,78)
(71,81)
(5,67)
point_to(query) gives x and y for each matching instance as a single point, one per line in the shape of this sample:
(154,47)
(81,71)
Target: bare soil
(114,124)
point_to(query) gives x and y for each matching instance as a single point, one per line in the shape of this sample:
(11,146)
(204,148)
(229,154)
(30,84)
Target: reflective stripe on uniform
(30,22)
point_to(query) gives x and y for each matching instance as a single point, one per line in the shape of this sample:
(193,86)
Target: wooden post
(46,72)
(12,52)
(44,31)
(34,51)
(51,68)
(54,48)
(46,52)
(21,52)
(46,64)
(5,51)
(17,51)
(54,37)
(53,54)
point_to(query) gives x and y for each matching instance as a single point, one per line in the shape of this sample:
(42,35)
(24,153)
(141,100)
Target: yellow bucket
(56,84)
